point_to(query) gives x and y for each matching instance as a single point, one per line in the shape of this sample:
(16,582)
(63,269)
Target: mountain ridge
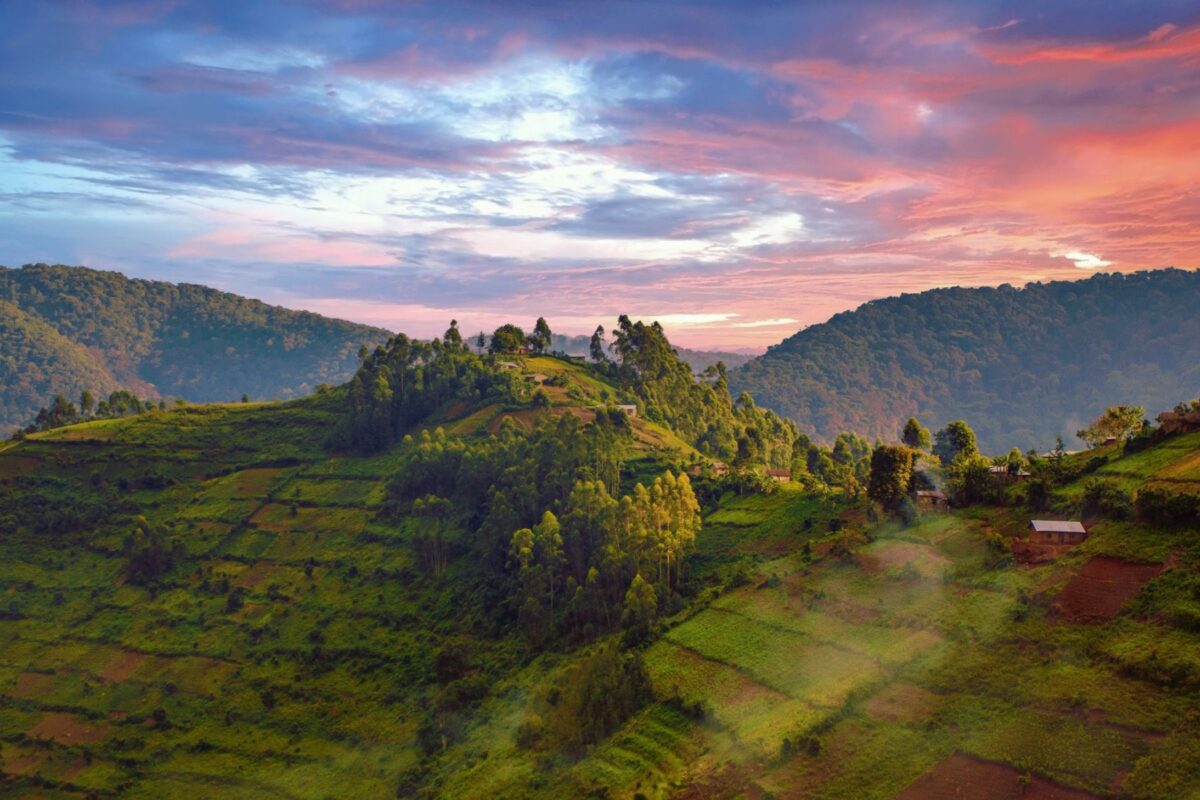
(1021,364)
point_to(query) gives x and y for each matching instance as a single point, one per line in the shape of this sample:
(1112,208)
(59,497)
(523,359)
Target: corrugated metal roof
(1057,526)
(926,493)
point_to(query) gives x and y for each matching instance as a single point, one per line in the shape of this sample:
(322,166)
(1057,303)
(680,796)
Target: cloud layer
(735,169)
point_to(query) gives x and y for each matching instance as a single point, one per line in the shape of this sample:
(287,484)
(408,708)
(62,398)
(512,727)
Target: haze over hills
(65,329)
(1022,365)
(698,360)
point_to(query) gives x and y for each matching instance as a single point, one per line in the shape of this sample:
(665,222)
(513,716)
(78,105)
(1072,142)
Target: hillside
(1022,365)
(208,601)
(36,359)
(160,340)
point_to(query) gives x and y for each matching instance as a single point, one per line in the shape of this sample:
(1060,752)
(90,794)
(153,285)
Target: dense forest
(37,361)
(64,329)
(1024,364)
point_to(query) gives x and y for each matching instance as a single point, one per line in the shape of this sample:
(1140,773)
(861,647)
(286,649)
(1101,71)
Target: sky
(736,170)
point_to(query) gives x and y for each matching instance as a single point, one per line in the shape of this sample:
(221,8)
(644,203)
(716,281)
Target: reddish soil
(31,684)
(256,574)
(21,762)
(1033,553)
(962,777)
(1102,587)
(66,729)
(12,466)
(903,702)
(122,666)
(718,782)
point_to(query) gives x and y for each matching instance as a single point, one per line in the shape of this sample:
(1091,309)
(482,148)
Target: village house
(932,500)
(629,408)
(1046,531)
(1001,472)
(781,475)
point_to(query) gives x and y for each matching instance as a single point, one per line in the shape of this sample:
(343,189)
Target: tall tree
(915,435)
(596,347)
(508,338)
(452,338)
(1117,422)
(541,337)
(891,474)
(954,440)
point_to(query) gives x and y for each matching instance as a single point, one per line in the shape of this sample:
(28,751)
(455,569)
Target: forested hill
(64,329)
(1022,365)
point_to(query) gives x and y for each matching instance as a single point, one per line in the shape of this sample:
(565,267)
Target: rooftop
(1057,526)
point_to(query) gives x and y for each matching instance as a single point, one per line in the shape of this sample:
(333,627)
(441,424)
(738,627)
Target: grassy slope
(876,665)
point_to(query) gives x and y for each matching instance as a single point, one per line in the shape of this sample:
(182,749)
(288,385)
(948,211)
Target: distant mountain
(1021,365)
(63,329)
(698,360)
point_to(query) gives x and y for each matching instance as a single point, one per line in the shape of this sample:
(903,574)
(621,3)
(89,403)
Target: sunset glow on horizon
(734,170)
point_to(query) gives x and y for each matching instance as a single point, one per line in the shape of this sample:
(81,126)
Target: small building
(1002,472)
(932,500)
(629,408)
(781,475)
(1049,531)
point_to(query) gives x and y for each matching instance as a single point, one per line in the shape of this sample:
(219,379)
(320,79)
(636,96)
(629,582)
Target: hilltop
(1026,364)
(65,329)
(223,600)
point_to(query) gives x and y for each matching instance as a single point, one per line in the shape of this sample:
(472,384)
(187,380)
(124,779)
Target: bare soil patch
(903,702)
(122,666)
(12,466)
(66,729)
(713,781)
(1102,587)
(959,777)
(31,684)
(256,574)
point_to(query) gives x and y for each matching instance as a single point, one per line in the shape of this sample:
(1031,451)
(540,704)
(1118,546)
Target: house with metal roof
(1052,531)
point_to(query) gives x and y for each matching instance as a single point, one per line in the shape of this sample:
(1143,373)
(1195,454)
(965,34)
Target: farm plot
(961,776)
(755,713)
(1102,587)
(791,663)
(277,517)
(332,491)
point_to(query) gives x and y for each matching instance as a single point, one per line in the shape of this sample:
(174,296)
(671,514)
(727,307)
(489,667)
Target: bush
(1163,507)
(1106,498)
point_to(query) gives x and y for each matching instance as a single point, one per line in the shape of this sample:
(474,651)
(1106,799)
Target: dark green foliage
(403,383)
(79,328)
(507,339)
(915,435)
(1107,498)
(1019,363)
(955,439)
(1165,507)
(150,555)
(891,474)
(596,695)
(639,612)
(539,340)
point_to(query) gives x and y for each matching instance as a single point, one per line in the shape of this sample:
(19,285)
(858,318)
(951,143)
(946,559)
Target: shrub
(1163,507)
(1107,498)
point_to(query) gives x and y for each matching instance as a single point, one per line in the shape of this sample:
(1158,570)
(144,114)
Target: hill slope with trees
(1026,364)
(82,328)
(34,357)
